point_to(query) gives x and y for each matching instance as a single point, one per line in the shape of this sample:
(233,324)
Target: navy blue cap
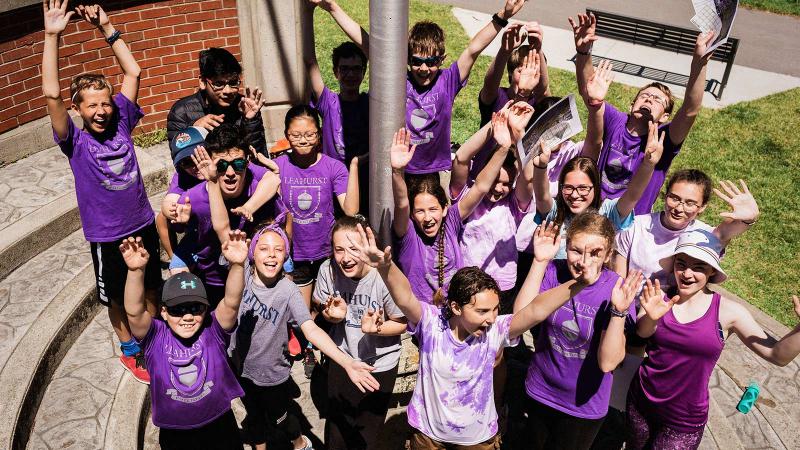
(183,144)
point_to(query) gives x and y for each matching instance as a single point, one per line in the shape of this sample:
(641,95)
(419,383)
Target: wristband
(616,313)
(499,20)
(540,167)
(113,38)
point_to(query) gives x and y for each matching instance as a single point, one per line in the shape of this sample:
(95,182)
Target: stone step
(38,205)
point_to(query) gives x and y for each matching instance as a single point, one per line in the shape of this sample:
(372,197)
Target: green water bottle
(749,398)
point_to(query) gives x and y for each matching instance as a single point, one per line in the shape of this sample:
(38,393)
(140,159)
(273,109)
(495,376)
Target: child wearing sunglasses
(192,384)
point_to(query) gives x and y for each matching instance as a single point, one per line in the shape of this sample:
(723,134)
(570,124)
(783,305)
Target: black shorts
(269,419)
(305,272)
(111,272)
(220,434)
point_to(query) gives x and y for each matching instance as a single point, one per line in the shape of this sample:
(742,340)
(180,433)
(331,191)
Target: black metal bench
(665,37)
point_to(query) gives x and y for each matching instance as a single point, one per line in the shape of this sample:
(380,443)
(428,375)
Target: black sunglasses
(430,61)
(181,310)
(238,164)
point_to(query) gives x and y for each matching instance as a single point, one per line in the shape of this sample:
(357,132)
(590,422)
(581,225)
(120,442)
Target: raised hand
(530,74)
(264,161)
(93,14)
(542,158)
(235,249)
(500,131)
(251,102)
(183,212)
(519,114)
(335,309)
(741,201)
(371,321)
(171,211)
(704,41)
(655,144)
(511,38)
(535,35)
(511,8)
(584,32)
(598,84)
(546,241)
(359,374)
(401,151)
(206,168)
(367,250)
(624,292)
(243,211)
(134,253)
(209,121)
(56,16)
(652,300)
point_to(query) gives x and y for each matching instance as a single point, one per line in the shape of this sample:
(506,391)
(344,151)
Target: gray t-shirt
(382,352)
(260,344)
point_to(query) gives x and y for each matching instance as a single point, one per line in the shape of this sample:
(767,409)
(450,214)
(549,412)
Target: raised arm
(535,40)
(351,199)
(520,114)
(494,74)
(351,28)
(219,215)
(744,212)
(131,71)
(373,322)
(612,340)
(312,66)
(56,18)
(484,37)
(638,184)
(653,308)
(265,191)
(234,249)
(544,304)
(584,34)
(693,101)
(546,242)
(485,179)
(459,174)
(400,154)
(779,352)
(594,98)
(396,282)
(136,257)
(541,183)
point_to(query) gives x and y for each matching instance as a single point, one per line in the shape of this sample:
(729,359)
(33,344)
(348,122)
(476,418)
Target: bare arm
(653,308)
(136,257)
(494,74)
(459,175)
(612,341)
(540,182)
(219,214)
(265,191)
(351,28)
(234,249)
(693,101)
(401,153)
(779,352)
(56,18)
(373,322)
(350,201)
(546,303)
(640,180)
(484,37)
(314,74)
(483,183)
(594,97)
(620,265)
(584,33)
(546,242)
(357,371)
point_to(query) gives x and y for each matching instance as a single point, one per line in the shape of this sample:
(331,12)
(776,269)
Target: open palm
(652,300)
(401,151)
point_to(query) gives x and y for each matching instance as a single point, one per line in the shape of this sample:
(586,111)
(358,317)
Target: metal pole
(388,47)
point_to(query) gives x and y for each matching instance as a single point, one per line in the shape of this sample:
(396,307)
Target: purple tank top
(672,382)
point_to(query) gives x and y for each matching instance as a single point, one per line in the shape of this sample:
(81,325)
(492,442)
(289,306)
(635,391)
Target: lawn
(756,141)
(791,7)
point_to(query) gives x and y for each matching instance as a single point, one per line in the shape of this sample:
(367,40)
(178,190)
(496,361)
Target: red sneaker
(135,365)
(294,345)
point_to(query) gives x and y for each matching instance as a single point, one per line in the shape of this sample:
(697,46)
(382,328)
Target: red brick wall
(164,36)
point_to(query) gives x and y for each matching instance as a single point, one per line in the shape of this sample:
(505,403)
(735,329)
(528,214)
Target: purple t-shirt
(112,200)
(564,373)
(309,195)
(182,182)
(191,383)
(211,267)
(428,116)
(419,259)
(453,399)
(345,125)
(621,155)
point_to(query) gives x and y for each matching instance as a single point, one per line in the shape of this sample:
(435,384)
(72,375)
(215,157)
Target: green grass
(152,138)
(777,6)
(756,141)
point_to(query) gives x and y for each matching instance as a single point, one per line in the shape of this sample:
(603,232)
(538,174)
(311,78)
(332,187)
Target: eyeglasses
(308,135)
(238,165)
(350,69)
(583,189)
(655,97)
(219,85)
(688,205)
(431,61)
(181,310)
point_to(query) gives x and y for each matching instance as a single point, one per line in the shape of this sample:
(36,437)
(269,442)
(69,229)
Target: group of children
(274,257)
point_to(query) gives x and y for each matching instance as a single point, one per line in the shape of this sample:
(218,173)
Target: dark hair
(693,176)
(298,111)
(348,50)
(590,222)
(665,90)
(426,184)
(581,164)
(426,37)
(467,282)
(349,223)
(223,138)
(215,62)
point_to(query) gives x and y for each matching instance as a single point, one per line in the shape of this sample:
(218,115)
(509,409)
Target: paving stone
(82,434)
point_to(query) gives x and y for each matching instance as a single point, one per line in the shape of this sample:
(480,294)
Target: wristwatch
(499,20)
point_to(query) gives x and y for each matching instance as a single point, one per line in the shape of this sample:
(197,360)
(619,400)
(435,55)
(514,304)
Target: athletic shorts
(110,271)
(305,272)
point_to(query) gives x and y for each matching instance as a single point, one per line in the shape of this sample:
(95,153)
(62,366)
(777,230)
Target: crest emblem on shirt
(566,337)
(187,377)
(304,201)
(116,163)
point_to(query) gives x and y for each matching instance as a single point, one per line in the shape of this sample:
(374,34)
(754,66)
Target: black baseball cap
(183,287)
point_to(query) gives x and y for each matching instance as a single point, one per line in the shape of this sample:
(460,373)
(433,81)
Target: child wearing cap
(192,384)
(668,399)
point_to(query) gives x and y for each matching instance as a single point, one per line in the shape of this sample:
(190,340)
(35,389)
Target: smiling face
(587,250)
(303,135)
(577,191)
(501,187)
(682,204)
(477,316)
(427,213)
(95,108)
(424,74)
(231,182)
(187,322)
(269,256)
(343,251)
(691,274)
(221,90)
(350,73)
(650,105)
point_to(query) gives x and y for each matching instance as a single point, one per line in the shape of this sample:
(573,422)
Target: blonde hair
(88,81)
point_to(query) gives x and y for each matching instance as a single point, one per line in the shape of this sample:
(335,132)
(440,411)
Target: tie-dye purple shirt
(453,399)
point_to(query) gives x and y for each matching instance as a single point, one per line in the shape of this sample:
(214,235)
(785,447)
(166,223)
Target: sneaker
(135,365)
(309,362)
(308,444)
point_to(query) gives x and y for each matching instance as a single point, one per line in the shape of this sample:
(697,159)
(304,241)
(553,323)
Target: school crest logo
(304,201)
(116,163)
(187,376)
(571,331)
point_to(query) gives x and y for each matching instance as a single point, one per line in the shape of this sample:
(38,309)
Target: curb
(128,415)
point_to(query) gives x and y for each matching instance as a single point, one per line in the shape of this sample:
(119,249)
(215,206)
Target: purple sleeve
(129,113)
(550,279)
(612,117)
(68,144)
(148,338)
(428,311)
(258,171)
(322,104)
(453,222)
(453,79)
(339,177)
(174,187)
(503,327)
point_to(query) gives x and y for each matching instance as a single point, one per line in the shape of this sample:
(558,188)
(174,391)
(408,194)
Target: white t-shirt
(453,400)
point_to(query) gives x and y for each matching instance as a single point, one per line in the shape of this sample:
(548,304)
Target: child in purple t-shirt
(569,377)
(192,384)
(453,401)
(430,90)
(618,138)
(112,201)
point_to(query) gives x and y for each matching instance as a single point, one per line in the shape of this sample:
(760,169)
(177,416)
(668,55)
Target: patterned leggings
(649,434)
